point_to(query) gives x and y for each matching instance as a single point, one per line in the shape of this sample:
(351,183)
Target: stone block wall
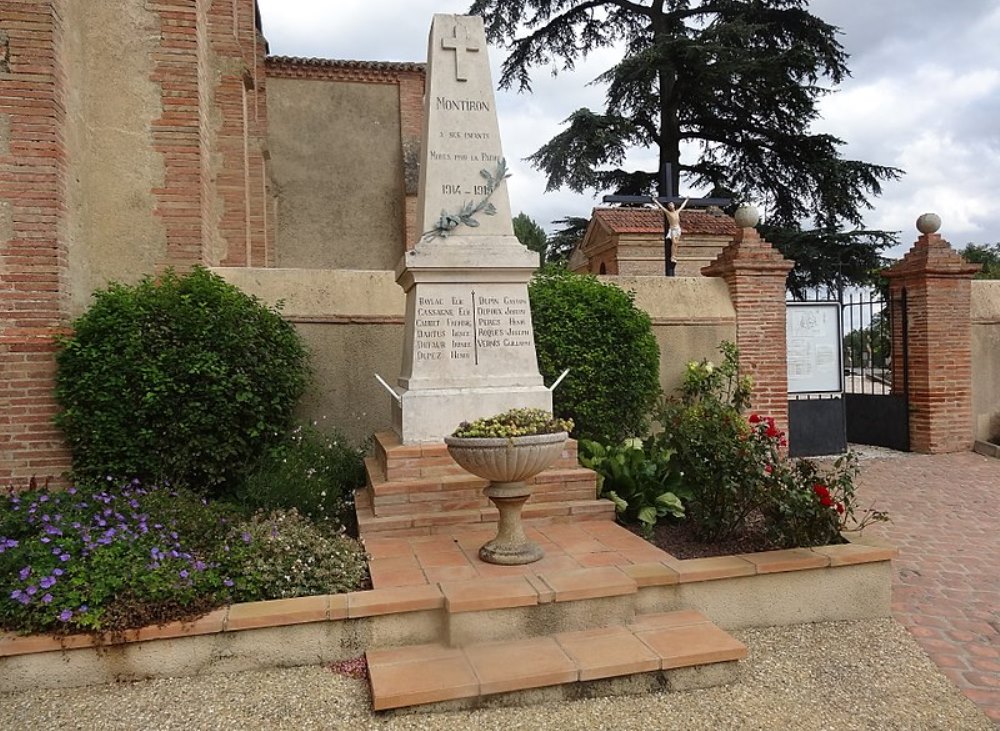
(345,141)
(352,322)
(986,360)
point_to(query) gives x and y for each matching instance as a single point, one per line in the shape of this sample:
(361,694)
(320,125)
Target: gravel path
(837,677)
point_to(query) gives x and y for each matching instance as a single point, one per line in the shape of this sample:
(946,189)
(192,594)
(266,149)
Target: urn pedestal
(508,463)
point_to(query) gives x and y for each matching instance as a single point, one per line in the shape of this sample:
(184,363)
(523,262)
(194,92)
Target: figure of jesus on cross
(672,224)
(673,228)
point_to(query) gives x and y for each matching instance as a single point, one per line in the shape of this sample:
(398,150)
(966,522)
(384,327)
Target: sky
(924,96)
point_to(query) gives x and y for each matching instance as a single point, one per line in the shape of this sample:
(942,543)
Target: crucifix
(460,43)
(663,200)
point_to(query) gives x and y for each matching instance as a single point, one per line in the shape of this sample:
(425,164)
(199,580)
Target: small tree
(530,234)
(988,256)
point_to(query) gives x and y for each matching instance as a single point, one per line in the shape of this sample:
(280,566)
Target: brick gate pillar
(938,291)
(755,273)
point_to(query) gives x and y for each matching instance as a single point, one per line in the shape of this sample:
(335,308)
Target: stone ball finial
(746,216)
(929,223)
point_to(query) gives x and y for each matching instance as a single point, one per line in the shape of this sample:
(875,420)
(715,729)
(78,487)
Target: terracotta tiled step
(429,522)
(432,674)
(465,491)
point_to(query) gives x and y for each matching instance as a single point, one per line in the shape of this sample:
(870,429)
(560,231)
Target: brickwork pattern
(32,250)
(755,274)
(937,282)
(193,45)
(946,524)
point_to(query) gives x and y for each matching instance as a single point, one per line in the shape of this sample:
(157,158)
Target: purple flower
(24,599)
(246,537)
(24,573)
(227,582)
(43,499)
(199,566)
(183,573)
(47,599)
(31,590)
(82,609)
(47,582)
(65,615)
(72,491)
(45,539)
(16,594)
(64,557)
(57,572)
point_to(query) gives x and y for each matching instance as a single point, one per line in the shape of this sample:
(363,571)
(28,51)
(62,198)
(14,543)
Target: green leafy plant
(282,554)
(596,331)
(639,480)
(812,507)
(314,472)
(737,471)
(183,379)
(108,557)
(514,423)
(115,557)
(711,442)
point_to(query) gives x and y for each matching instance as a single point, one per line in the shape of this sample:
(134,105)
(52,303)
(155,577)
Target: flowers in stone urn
(514,423)
(508,450)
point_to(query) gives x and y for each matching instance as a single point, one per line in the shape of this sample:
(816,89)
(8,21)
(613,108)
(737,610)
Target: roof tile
(648,220)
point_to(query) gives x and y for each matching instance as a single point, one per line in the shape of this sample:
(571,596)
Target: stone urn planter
(508,463)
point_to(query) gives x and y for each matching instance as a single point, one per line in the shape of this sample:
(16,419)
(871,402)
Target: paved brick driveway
(946,523)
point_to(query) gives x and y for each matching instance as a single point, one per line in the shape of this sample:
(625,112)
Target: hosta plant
(639,480)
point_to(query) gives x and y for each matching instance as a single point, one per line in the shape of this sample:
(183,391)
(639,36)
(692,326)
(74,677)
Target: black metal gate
(876,371)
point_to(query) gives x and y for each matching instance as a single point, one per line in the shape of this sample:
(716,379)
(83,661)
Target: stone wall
(986,360)
(343,137)
(352,322)
(132,138)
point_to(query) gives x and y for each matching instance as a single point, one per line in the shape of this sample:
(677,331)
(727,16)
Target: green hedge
(182,378)
(596,331)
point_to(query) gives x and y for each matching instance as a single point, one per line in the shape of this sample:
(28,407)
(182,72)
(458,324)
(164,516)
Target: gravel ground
(837,676)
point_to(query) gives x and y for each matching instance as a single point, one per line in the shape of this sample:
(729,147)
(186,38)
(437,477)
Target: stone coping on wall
(471,595)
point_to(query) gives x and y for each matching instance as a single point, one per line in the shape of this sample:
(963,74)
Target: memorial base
(428,415)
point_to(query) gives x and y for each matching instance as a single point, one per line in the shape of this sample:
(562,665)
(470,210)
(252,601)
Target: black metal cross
(668,188)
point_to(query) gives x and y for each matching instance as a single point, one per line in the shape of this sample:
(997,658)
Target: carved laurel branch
(467,215)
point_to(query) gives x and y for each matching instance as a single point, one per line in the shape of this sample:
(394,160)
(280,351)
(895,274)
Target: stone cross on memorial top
(460,43)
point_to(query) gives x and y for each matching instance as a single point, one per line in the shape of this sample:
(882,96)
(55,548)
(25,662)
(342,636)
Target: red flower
(754,418)
(769,468)
(840,508)
(823,494)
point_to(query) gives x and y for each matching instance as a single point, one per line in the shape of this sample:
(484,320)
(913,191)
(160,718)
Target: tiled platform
(453,555)
(658,642)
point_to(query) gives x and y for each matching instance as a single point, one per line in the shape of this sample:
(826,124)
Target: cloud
(924,96)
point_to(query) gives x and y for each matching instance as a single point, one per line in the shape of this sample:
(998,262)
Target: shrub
(313,472)
(638,478)
(106,558)
(736,469)
(596,331)
(722,465)
(183,379)
(281,555)
(810,507)
(114,557)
